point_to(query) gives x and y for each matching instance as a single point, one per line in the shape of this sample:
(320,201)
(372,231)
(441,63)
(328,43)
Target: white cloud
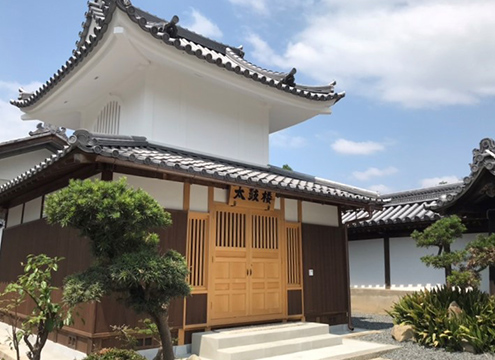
(435,181)
(259,6)
(10,116)
(349,147)
(381,189)
(282,140)
(204,26)
(267,7)
(415,53)
(374,172)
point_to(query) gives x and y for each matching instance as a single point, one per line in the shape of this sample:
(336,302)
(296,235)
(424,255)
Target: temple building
(187,119)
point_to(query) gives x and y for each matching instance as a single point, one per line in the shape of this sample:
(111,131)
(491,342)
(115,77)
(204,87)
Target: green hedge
(115,354)
(427,312)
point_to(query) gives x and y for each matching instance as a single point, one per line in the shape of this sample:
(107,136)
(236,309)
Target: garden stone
(454,310)
(467,347)
(403,333)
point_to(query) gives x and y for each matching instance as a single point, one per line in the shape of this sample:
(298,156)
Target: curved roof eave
(98,17)
(483,161)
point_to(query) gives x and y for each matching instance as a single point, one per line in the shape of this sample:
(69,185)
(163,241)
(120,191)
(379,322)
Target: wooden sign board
(253,198)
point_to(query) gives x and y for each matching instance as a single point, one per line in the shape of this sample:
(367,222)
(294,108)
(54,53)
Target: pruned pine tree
(127,261)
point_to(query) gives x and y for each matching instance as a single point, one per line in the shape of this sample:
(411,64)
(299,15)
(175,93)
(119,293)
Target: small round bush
(427,311)
(115,354)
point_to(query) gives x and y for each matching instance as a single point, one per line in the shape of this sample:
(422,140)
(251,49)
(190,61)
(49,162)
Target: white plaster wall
(291,210)
(221,195)
(199,198)
(461,244)
(15,216)
(12,167)
(406,268)
(367,263)
(184,110)
(32,210)
(181,109)
(318,214)
(169,194)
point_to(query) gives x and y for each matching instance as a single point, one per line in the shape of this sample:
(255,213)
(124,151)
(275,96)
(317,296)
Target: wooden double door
(246,266)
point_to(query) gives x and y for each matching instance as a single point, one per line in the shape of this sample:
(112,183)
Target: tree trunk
(448,268)
(167,350)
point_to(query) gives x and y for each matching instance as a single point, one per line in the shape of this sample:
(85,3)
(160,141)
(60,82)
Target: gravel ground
(408,350)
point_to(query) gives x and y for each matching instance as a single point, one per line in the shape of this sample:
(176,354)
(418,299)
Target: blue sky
(419,76)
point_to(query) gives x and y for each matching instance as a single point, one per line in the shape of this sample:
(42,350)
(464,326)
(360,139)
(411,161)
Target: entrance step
(308,341)
(348,350)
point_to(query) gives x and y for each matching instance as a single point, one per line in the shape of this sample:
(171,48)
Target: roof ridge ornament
(290,79)
(171,27)
(46,128)
(24,95)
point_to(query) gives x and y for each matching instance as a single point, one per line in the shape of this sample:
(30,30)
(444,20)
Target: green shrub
(427,312)
(115,354)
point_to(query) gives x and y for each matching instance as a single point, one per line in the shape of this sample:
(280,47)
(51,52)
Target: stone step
(280,347)
(207,344)
(348,350)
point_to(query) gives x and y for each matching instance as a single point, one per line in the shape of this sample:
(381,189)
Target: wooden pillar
(107,175)
(386,251)
(490,214)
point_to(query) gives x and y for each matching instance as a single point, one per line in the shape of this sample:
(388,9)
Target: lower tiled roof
(138,150)
(404,207)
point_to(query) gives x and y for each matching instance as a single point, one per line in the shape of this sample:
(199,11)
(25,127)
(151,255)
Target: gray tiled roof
(404,207)
(100,12)
(138,150)
(45,136)
(483,160)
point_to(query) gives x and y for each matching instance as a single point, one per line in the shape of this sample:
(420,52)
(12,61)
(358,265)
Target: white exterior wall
(291,210)
(318,214)
(169,194)
(32,210)
(221,195)
(406,268)
(13,166)
(183,110)
(199,198)
(367,263)
(15,216)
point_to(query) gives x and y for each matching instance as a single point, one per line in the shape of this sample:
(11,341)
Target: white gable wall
(14,166)
(184,110)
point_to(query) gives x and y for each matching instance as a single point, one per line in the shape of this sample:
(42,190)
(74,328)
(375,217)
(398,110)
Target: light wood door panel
(246,265)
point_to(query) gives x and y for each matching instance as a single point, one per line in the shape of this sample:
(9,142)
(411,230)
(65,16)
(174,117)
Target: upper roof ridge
(99,16)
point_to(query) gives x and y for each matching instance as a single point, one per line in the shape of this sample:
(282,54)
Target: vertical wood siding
(196,249)
(326,292)
(294,266)
(38,237)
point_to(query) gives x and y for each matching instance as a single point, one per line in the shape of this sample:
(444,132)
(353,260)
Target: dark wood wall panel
(174,237)
(38,237)
(196,309)
(326,292)
(294,298)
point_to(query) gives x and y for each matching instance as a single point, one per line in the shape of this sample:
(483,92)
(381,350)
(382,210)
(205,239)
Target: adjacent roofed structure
(402,212)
